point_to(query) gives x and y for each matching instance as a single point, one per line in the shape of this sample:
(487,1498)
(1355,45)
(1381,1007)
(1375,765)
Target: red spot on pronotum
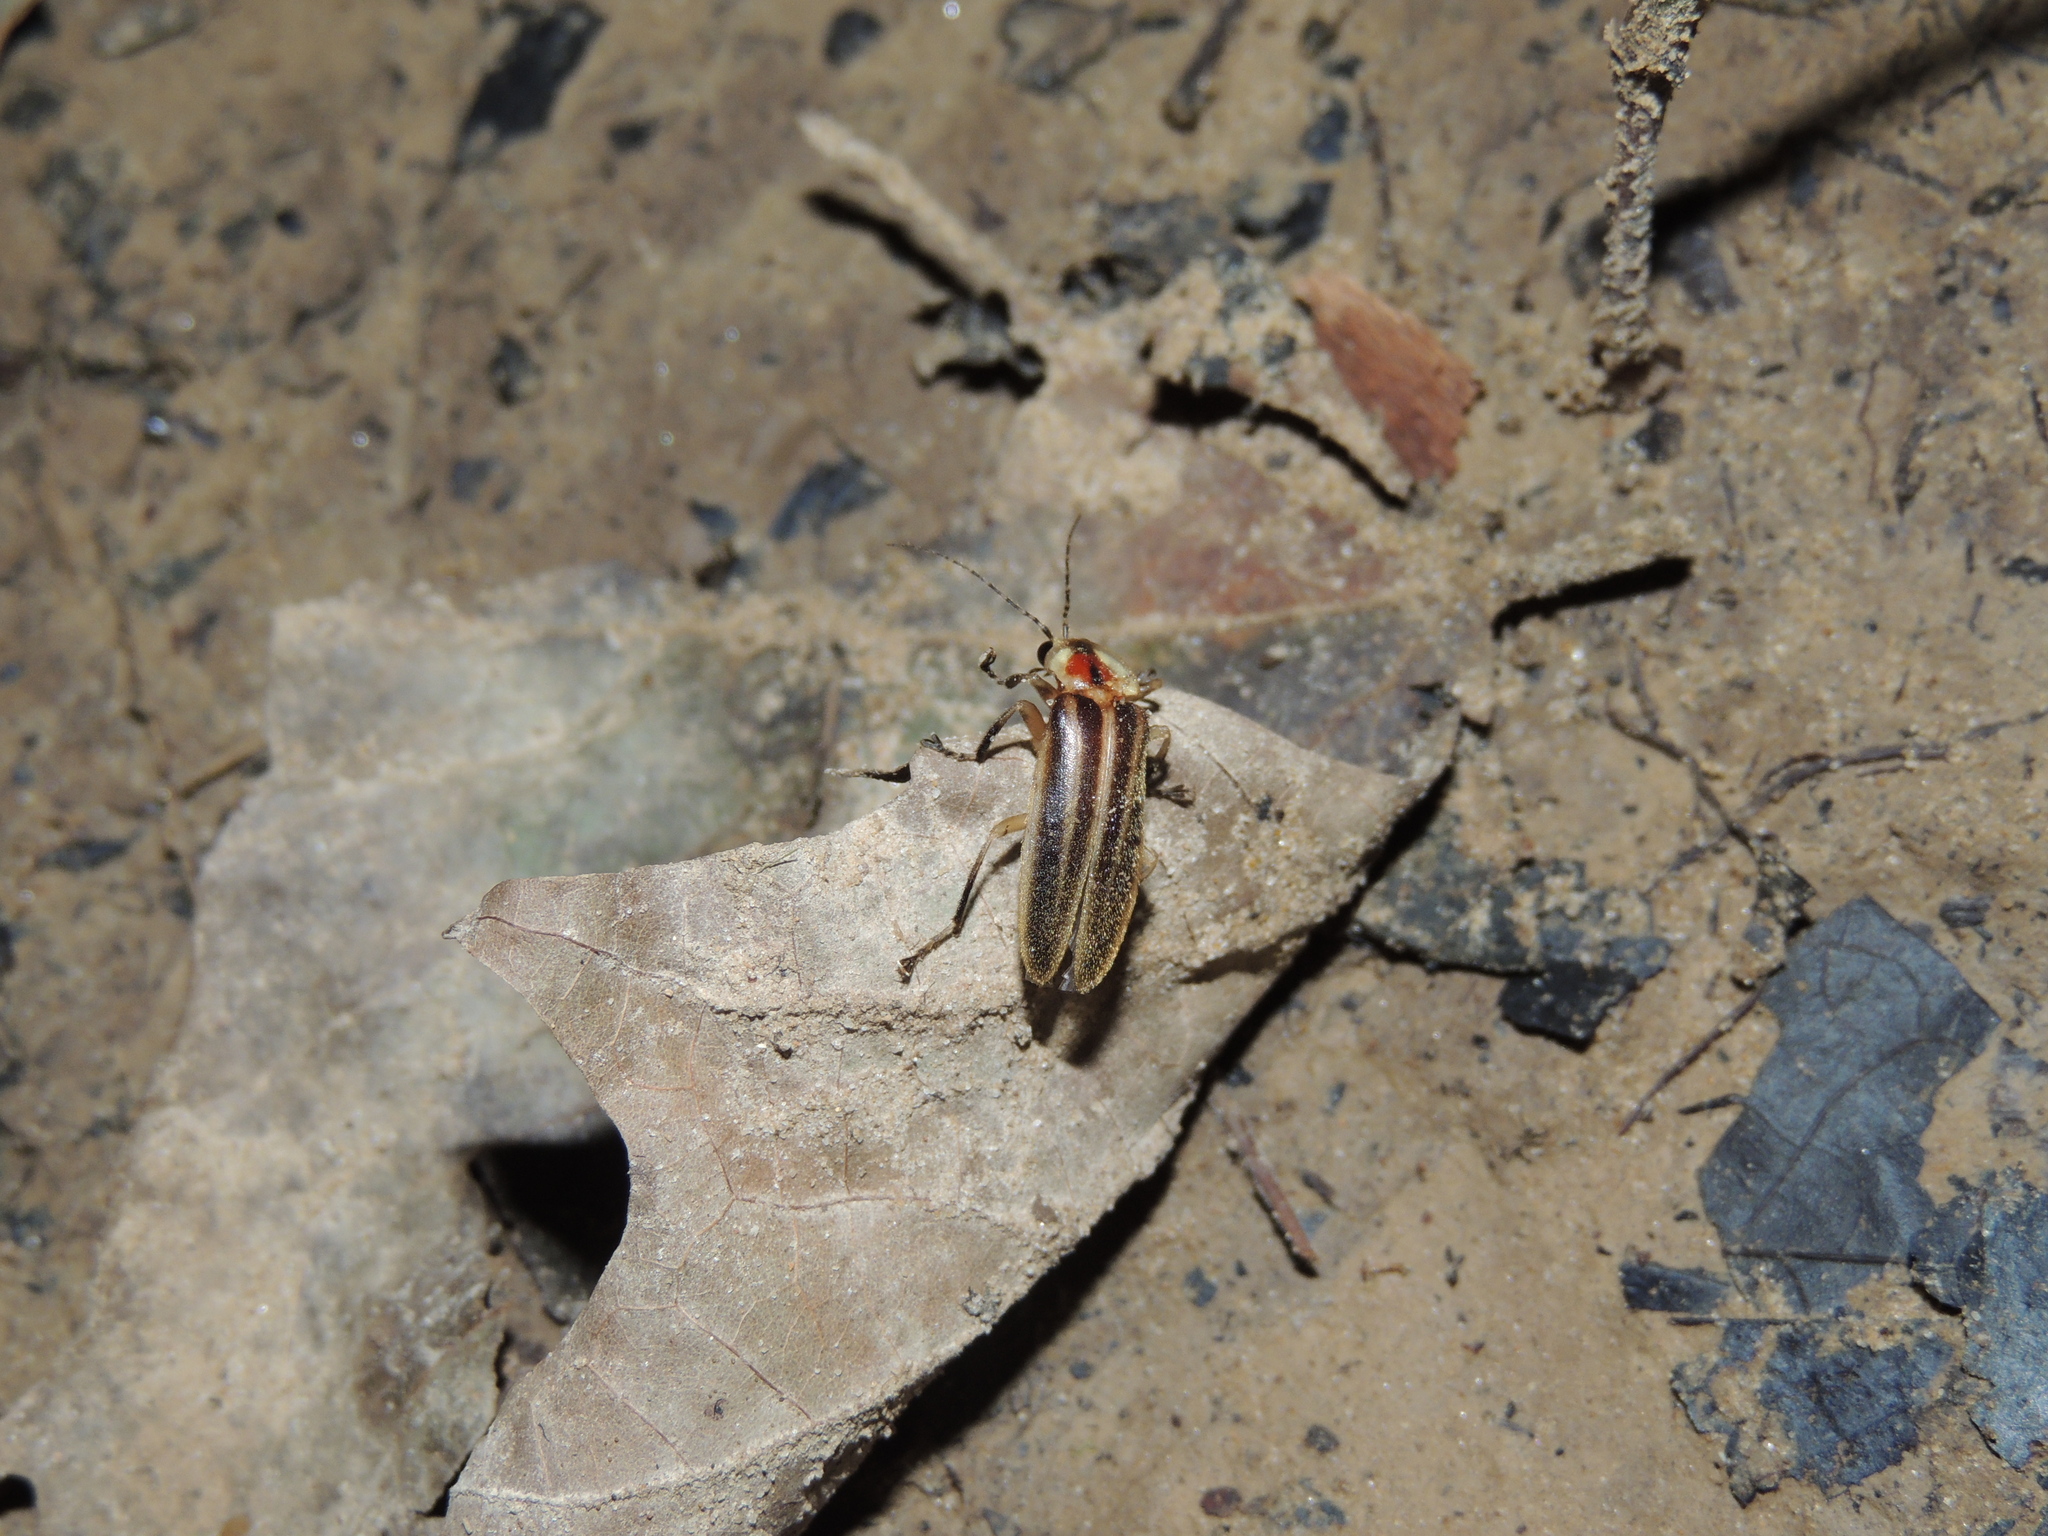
(1086,669)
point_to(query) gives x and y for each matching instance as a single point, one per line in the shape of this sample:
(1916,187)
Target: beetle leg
(1009,826)
(1155,771)
(988,665)
(1023,709)
(980,752)
(1034,722)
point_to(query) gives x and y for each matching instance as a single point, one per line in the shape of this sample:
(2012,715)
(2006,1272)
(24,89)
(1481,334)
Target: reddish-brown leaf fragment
(1396,368)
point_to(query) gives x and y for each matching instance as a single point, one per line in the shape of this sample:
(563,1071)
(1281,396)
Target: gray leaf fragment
(1648,1287)
(295,1314)
(1986,1254)
(1830,1411)
(1571,954)
(1817,1181)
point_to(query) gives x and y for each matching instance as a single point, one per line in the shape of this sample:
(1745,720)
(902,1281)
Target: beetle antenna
(1067,576)
(939,554)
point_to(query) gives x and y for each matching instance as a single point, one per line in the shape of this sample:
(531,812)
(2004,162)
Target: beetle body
(1086,822)
(1095,743)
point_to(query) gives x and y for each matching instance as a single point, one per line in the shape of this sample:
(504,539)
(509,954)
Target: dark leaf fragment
(1326,137)
(1986,1254)
(1296,226)
(83,853)
(1965,911)
(1848,1409)
(826,493)
(1218,1502)
(514,375)
(77,192)
(30,107)
(518,95)
(1647,1287)
(1052,41)
(851,33)
(1817,1181)
(631,134)
(1832,1411)
(1689,254)
(466,477)
(1144,246)
(1659,439)
(1568,963)
(1570,997)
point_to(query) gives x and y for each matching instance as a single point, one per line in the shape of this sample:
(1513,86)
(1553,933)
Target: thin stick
(1648,50)
(930,224)
(1267,1183)
(1185,104)
(1650,733)
(828,739)
(240,756)
(1795,771)
(1677,1069)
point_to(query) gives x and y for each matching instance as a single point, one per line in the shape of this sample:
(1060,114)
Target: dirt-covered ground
(299,296)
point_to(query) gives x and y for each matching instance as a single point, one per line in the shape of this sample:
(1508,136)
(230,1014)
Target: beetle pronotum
(1083,834)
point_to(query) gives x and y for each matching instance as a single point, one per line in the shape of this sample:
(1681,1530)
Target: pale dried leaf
(838,1179)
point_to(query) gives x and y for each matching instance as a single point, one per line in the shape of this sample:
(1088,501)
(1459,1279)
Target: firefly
(1097,748)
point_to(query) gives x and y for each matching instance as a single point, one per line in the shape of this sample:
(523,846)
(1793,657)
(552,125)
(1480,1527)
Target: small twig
(1794,771)
(930,225)
(1986,732)
(2034,399)
(1648,52)
(1678,1068)
(1814,1256)
(1650,733)
(1185,104)
(1870,437)
(1719,1101)
(828,739)
(237,757)
(1267,1183)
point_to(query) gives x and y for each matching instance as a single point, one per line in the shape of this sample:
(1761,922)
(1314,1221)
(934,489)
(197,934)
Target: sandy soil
(273,321)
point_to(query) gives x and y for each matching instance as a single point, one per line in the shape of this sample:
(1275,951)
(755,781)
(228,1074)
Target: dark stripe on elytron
(1113,865)
(1063,833)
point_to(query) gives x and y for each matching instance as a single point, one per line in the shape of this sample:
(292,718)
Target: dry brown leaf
(1396,368)
(1227,321)
(839,1180)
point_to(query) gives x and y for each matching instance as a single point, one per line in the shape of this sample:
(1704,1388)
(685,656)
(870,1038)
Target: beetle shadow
(1077,1024)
